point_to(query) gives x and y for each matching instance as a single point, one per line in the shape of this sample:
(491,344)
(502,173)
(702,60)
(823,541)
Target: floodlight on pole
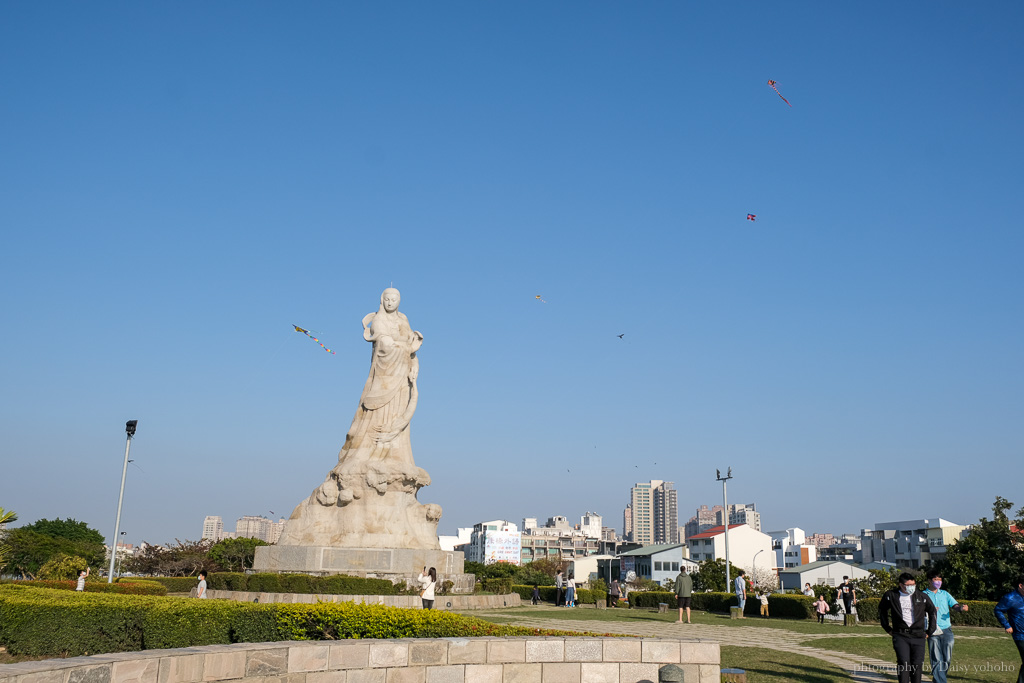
(129,428)
(725,516)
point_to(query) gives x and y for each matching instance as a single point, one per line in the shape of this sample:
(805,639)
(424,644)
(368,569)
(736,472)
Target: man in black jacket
(902,613)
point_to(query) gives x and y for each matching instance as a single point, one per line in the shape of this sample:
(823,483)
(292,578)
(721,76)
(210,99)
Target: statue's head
(390,299)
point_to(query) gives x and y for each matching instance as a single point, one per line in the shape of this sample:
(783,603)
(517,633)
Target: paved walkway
(860,669)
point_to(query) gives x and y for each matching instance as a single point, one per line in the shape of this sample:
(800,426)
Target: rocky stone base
(396,564)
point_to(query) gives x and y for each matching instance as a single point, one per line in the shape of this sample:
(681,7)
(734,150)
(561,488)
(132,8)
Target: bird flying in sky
(751,216)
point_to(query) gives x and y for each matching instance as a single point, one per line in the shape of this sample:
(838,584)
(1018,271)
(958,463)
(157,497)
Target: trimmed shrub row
(58,623)
(547,594)
(795,606)
(285,583)
(122,587)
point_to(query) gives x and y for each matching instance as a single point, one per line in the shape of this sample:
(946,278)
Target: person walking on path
(536,595)
(1010,613)
(821,607)
(849,595)
(909,617)
(559,588)
(684,591)
(741,591)
(614,594)
(940,645)
(763,597)
(201,588)
(429,582)
(82,573)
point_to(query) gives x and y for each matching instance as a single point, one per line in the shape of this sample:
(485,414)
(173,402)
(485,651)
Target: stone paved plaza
(861,669)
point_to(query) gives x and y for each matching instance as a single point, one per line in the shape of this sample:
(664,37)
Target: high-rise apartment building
(652,515)
(213,528)
(706,518)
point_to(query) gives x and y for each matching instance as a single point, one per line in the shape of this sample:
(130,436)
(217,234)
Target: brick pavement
(860,669)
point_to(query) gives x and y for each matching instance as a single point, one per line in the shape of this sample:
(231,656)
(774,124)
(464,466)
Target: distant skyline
(182,183)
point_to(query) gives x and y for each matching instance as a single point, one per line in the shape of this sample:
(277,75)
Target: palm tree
(5,517)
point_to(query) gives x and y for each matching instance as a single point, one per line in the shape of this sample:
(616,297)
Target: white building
(792,548)
(658,563)
(820,573)
(452,542)
(906,544)
(496,541)
(213,528)
(257,526)
(745,544)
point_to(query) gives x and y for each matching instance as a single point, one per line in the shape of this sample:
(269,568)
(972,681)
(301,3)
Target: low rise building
(495,541)
(745,544)
(820,573)
(906,543)
(658,563)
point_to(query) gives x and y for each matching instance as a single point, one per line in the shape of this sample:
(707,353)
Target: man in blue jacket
(940,645)
(1010,613)
(909,617)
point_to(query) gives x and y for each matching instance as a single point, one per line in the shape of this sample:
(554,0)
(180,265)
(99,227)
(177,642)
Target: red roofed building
(745,543)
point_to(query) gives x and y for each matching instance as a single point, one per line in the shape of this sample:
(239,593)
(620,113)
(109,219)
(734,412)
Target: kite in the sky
(772,83)
(540,300)
(751,216)
(306,332)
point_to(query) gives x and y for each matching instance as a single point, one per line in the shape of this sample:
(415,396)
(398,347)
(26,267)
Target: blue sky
(182,182)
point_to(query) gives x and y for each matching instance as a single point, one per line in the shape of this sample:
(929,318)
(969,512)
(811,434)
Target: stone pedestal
(397,564)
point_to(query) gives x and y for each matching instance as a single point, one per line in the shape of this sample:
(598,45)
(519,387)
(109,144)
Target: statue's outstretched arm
(367,332)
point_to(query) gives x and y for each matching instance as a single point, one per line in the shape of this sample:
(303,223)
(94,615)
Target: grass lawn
(772,666)
(981,659)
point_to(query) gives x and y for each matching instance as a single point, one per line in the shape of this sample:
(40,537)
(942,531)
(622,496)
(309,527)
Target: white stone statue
(369,499)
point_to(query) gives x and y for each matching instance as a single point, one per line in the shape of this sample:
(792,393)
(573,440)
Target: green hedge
(124,587)
(547,594)
(980,613)
(285,583)
(177,584)
(47,622)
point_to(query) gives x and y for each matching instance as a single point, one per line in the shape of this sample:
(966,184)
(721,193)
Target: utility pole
(129,428)
(725,516)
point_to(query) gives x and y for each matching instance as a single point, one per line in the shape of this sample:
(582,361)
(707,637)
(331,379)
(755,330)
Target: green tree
(6,517)
(32,546)
(711,575)
(185,558)
(235,554)
(878,583)
(69,529)
(62,568)
(983,564)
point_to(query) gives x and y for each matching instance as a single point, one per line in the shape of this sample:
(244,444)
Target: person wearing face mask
(909,617)
(940,645)
(1010,613)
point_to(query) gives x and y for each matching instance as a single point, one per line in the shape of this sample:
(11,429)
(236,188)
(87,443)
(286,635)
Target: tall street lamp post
(129,428)
(725,516)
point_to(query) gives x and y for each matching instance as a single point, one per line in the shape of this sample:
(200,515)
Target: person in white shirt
(429,581)
(201,589)
(570,592)
(81,579)
(808,591)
